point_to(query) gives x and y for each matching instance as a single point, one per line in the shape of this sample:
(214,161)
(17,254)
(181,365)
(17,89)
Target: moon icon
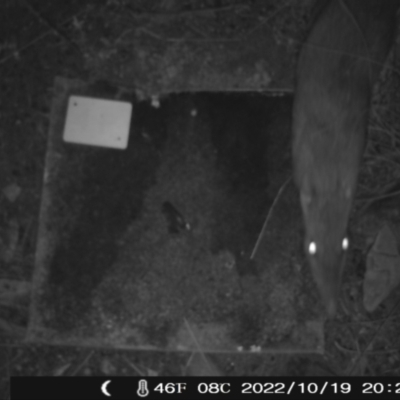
(104,388)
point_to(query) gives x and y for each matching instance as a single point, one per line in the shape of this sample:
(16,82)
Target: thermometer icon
(142,391)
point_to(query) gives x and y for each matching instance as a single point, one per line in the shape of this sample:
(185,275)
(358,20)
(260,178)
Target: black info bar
(82,388)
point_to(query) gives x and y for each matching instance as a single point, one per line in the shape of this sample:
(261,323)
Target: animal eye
(312,248)
(345,243)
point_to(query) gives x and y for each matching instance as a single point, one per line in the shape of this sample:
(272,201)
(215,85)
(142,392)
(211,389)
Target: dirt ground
(39,41)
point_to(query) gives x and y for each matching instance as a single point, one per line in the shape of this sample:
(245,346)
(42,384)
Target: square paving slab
(166,244)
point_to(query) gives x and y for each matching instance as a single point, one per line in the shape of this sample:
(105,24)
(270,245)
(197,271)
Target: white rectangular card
(98,122)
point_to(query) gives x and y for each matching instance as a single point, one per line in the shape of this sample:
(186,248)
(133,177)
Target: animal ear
(347,191)
(305,190)
(305,199)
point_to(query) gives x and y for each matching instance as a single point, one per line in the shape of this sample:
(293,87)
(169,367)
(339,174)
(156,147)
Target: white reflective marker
(97,122)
